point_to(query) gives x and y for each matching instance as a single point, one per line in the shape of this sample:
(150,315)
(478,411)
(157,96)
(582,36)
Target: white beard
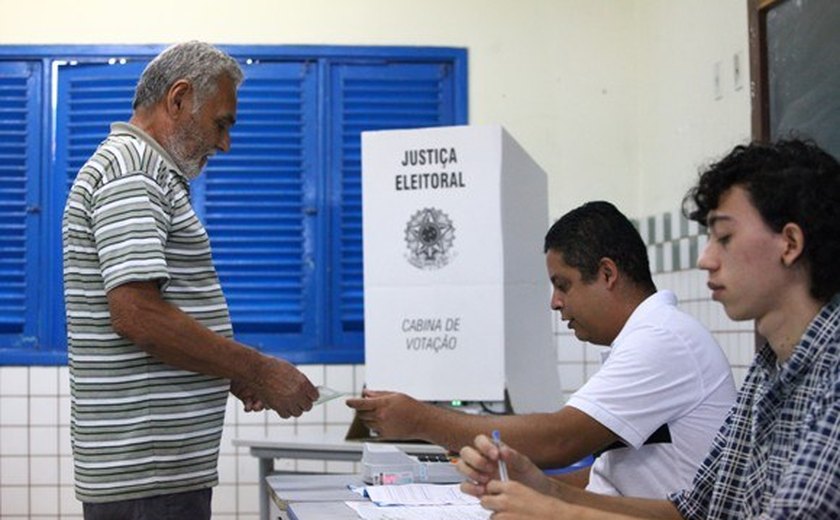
(177,146)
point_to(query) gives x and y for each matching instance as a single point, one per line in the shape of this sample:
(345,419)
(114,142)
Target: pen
(497,440)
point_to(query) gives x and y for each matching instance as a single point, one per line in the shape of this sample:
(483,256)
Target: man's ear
(608,271)
(176,98)
(793,243)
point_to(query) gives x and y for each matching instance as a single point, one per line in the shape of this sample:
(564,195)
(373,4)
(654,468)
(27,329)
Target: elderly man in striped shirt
(151,353)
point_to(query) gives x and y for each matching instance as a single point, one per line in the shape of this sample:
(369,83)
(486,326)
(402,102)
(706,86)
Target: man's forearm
(629,506)
(174,337)
(191,346)
(578,478)
(453,430)
(550,440)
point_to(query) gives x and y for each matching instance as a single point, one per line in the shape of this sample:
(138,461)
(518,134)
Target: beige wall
(681,125)
(612,97)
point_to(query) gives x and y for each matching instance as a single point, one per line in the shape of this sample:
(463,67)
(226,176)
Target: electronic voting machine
(388,464)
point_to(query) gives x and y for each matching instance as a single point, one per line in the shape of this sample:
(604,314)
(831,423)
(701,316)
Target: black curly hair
(788,181)
(599,230)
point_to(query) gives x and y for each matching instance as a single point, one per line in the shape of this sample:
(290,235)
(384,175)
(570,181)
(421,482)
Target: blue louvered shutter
(283,208)
(20,206)
(90,96)
(259,208)
(371,97)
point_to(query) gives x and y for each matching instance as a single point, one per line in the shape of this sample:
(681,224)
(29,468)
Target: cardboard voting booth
(456,293)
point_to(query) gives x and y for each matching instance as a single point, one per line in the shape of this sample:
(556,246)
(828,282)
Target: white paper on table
(370,511)
(419,495)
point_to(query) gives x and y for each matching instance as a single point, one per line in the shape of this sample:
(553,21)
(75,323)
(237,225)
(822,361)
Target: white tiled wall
(36,472)
(36,476)
(35,461)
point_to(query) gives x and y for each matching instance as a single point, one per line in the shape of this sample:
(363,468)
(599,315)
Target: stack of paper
(419,502)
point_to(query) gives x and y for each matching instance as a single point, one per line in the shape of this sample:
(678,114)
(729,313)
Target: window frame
(49,347)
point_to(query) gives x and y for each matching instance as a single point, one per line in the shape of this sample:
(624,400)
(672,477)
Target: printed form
(370,511)
(419,502)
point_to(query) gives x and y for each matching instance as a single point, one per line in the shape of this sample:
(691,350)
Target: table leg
(266,468)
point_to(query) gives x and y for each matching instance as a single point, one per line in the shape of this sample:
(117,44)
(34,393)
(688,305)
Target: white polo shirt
(665,373)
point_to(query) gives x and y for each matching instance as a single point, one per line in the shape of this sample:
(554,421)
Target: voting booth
(455,285)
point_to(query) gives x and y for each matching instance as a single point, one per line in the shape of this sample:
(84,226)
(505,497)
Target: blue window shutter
(283,209)
(252,200)
(372,97)
(91,96)
(20,206)
(259,202)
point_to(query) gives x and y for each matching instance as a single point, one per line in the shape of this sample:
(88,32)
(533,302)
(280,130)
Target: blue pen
(497,440)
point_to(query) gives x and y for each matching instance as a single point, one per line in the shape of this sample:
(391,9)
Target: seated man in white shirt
(649,413)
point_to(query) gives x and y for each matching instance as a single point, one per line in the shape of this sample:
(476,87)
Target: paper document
(370,511)
(419,495)
(327,394)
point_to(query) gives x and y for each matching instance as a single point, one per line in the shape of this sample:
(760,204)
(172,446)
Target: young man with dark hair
(773,215)
(598,267)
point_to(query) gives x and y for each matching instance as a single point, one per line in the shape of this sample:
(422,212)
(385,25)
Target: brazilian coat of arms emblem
(428,235)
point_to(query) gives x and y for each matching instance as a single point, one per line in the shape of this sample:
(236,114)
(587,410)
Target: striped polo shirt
(139,427)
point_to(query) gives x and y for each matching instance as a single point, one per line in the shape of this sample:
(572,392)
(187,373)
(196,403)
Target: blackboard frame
(759,87)
(795,70)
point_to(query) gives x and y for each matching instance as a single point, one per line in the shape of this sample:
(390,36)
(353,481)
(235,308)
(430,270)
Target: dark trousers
(192,505)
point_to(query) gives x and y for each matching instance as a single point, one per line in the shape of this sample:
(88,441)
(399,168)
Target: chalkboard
(803,71)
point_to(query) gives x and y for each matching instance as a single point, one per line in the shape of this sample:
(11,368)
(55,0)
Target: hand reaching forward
(283,388)
(247,395)
(391,415)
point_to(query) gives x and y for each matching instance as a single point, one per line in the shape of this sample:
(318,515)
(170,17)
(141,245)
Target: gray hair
(197,62)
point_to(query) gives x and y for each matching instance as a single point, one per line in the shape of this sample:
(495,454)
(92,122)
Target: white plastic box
(456,291)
